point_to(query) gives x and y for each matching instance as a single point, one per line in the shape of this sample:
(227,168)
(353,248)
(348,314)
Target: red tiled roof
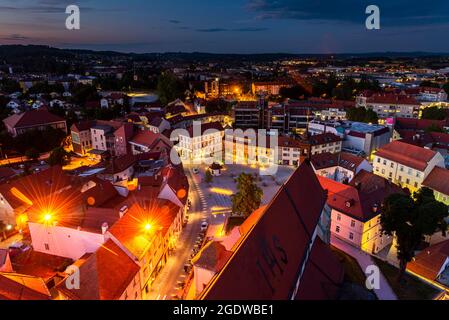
(15,286)
(438,180)
(282,233)
(205,127)
(324,138)
(342,159)
(32,118)
(407,154)
(104,275)
(383,98)
(358,199)
(213,256)
(150,139)
(428,263)
(38,264)
(130,232)
(82,126)
(417,124)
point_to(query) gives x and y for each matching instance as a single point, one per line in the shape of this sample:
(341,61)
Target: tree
(410,219)
(169,88)
(434,128)
(248,197)
(58,156)
(208,177)
(434,113)
(362,115)
(32,154)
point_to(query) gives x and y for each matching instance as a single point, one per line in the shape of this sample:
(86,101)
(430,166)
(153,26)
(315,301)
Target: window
(351,236)
(385,162)
(416,184)
(392,165)
(337,229)
(338,217)
(408,181)
(352,223)
(418,174)
(47,247)
(410,171)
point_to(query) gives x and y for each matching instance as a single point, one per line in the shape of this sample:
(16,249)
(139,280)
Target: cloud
(397,12)
(15,37)
(248,29)
(174,21)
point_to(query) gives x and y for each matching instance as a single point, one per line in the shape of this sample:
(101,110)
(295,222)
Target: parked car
(196,170)
(204,226)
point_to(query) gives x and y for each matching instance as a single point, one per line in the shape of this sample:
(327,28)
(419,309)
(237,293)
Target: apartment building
(405,164)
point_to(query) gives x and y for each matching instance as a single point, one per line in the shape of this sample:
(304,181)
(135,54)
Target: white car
(196,171)
(204,226)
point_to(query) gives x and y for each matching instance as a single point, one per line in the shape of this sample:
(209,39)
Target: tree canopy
(410,219)
(58,156)
(169,88)
(434,113)
(248,197)
(362,115)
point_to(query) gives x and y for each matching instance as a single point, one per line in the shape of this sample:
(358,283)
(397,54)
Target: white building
(201,141)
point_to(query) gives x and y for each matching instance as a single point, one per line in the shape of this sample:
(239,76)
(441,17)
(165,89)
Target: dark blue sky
(233,26)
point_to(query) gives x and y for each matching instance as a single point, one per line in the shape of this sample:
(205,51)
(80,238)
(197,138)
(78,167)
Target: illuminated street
(166,284)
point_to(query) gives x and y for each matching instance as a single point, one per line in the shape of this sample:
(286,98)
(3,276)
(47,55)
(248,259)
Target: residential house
(355,216)
(18,124)
(81,137)
(147,141)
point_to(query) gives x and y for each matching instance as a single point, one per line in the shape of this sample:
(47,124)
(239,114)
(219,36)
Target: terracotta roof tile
(407,154)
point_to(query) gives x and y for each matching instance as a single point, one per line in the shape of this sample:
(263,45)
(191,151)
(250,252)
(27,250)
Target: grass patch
(411,288)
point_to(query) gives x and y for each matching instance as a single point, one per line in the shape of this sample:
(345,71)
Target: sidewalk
(364,259)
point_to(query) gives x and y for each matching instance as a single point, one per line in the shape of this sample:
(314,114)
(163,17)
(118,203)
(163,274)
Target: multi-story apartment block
(201,141)
(405,164)
(388,105)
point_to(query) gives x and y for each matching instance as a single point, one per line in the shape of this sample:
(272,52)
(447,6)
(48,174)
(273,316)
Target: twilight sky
(229,26)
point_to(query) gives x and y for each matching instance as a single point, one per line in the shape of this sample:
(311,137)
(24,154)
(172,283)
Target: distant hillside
(20,51)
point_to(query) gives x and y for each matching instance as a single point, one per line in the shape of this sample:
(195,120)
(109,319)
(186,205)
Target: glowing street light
(48,217)
(148,227)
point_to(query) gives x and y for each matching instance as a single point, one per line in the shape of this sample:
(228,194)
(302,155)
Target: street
(166,284)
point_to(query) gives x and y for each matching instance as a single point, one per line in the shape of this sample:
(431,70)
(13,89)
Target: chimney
(104,227)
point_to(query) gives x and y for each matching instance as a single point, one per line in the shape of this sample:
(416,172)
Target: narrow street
(166,284)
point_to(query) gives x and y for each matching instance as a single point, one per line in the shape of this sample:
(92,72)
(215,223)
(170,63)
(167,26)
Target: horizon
(423,53)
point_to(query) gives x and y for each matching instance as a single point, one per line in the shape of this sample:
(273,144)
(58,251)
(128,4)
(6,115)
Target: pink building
(355,216)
